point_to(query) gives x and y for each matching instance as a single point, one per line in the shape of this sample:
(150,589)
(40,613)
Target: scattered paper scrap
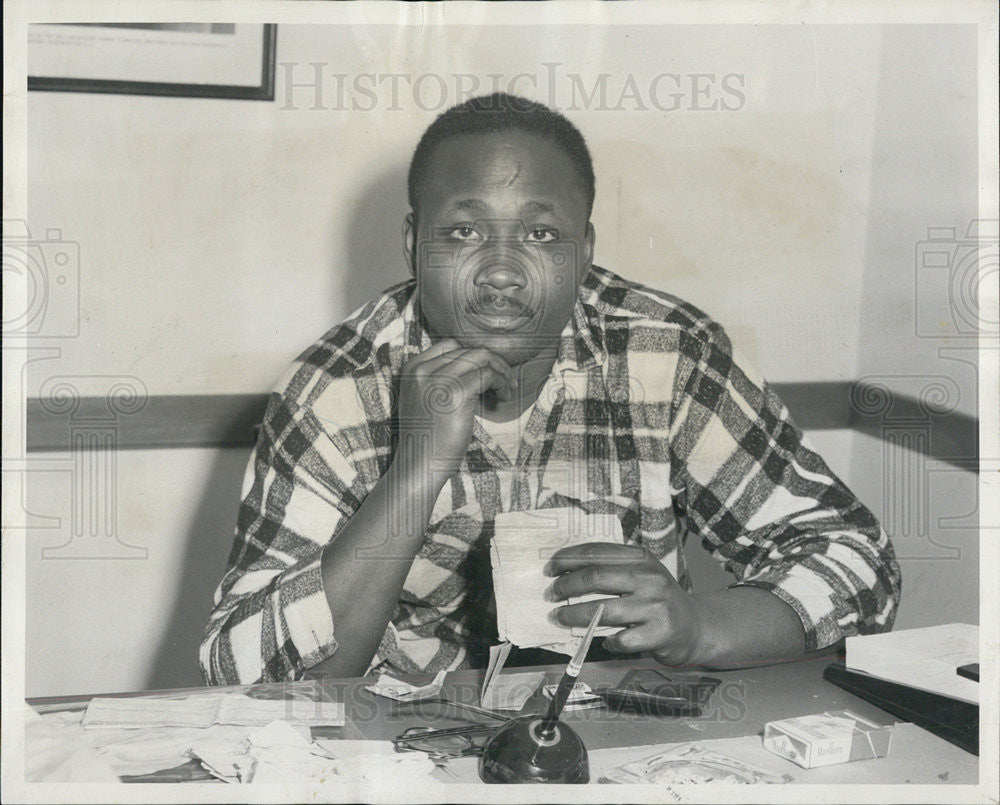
(277,752)
(581,697)
(690,763)
(393,688)
(280,754)
(511,691)
(506,691)
(133,752)
(498,658)
(375,760)
(225,755)
(54,753)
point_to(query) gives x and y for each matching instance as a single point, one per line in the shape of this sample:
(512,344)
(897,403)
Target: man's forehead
(467,170)
(482,207)
(513,138)
(511,155)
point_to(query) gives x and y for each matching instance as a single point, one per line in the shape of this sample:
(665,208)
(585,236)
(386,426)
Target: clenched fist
(439,392)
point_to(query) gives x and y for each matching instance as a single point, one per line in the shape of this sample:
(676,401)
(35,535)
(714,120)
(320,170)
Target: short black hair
(488,114)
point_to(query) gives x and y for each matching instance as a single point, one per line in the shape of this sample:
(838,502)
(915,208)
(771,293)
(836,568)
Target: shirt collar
(581,343)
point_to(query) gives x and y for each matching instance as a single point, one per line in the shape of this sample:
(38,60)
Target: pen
(569,677)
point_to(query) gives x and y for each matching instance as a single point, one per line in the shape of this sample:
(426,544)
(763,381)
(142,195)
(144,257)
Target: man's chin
(515,349)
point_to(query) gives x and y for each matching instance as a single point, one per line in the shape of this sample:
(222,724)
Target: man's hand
(439,392)
(659,615)
(365,565)
(721,628)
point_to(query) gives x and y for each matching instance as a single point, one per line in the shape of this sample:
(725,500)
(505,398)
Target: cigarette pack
(827,738)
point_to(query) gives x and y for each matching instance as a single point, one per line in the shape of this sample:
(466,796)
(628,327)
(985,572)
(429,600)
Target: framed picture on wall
(198,59)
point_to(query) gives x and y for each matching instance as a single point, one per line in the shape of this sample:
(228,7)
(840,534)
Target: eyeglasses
(445,744)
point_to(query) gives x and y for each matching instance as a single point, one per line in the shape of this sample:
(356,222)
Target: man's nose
(502,275)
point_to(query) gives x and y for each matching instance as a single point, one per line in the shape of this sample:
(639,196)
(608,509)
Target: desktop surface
(733,717)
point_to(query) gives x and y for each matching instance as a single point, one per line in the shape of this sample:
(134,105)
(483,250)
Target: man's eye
(542,234)
(464,232)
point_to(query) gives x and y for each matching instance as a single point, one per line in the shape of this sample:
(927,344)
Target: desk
(740,707)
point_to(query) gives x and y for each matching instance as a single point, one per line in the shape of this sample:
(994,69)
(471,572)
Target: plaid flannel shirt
(648,413)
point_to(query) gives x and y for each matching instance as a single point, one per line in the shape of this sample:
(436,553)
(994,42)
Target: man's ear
(589,237)
(410,242)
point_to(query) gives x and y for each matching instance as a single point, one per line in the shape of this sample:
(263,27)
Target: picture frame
(193,60)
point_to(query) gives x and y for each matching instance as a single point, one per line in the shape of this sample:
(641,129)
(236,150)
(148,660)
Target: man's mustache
(495,299)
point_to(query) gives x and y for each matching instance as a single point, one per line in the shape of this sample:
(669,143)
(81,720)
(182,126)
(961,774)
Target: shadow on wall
(207,547)
(372,240)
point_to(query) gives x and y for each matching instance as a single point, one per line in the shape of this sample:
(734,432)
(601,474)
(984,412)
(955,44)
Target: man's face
(500,243)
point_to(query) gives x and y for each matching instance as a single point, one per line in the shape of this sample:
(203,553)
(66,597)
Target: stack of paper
(927,658)
(522,544)
(204,710)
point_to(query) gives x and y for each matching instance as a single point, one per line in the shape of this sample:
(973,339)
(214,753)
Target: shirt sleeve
(767,505)
(271,620)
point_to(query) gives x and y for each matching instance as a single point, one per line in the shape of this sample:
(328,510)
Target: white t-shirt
(507,434)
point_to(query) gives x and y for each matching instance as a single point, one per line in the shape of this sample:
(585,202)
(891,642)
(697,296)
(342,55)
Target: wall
(929,507)
(126,612)
(917,335)
(218,238)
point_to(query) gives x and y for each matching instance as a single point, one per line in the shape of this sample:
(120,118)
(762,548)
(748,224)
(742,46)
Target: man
(512,374)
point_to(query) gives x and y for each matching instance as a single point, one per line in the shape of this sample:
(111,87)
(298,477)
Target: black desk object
(653,691)
(952,719)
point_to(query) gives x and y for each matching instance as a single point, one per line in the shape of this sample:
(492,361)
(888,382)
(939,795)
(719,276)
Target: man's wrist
(414,471)
(696,644)
(742,624)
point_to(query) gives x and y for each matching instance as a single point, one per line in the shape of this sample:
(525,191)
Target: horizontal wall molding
(230,420)
(160,422)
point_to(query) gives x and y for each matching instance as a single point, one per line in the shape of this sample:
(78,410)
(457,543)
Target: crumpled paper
(280,753)
(393,688)
(251,757)
(135,752)
(54,754)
